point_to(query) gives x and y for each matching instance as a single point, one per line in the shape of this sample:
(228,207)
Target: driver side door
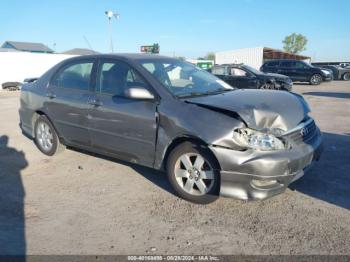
(119,125)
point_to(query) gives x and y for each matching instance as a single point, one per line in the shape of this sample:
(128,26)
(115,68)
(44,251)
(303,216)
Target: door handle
(51,95)
(95,102)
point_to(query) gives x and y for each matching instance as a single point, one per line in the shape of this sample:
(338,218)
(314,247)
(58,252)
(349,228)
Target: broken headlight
(257,140)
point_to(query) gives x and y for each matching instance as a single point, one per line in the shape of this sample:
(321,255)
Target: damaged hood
(259,109)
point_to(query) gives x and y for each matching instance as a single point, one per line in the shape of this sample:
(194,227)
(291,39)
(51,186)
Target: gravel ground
(76,203)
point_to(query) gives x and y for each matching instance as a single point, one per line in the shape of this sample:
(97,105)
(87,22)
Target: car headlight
(325,72)
(257,140)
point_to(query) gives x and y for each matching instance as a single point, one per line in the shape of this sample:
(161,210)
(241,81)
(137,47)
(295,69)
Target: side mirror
(139,93)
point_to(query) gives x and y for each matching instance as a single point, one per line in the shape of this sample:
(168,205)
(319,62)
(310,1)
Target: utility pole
(110,15)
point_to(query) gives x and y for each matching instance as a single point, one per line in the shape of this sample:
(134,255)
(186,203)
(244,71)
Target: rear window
(74,76)
(218,70)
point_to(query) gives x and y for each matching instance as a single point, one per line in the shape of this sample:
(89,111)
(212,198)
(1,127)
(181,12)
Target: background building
(255,57)
(80,51)
(27,47)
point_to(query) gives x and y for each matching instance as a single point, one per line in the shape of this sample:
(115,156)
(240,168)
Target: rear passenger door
(288,68)
(220,72)
(241,79)
(66,104)
(271,67)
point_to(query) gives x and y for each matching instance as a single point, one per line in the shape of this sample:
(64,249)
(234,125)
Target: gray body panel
(142,131)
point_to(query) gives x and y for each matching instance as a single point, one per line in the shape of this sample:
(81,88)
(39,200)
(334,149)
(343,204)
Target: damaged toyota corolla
(163,113)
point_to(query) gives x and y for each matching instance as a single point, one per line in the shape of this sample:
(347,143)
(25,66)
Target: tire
(346,76)
(268,86)
(46,138)
(187,176)
(316,79)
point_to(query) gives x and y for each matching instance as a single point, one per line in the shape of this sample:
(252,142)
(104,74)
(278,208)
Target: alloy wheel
(316,79)
(194,174)
(44,136)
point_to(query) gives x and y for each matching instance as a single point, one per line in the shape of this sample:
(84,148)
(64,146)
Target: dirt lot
(76,203)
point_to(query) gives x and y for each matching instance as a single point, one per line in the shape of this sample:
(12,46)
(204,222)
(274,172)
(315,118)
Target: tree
(210,56)
(295,43)
(182,58)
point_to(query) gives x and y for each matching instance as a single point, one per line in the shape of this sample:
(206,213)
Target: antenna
(88,43)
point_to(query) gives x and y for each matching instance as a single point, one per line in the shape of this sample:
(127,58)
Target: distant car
(344,65)
(11,86)
(298,71)
(344,73)
(244,76)
(339,72)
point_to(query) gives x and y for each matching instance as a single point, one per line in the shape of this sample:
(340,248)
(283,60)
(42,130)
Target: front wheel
(316,79)
(46,137)
(268,86)
(194,173)
(346,77)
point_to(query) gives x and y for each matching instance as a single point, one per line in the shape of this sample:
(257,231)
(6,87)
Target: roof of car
(283,60)
(131,56)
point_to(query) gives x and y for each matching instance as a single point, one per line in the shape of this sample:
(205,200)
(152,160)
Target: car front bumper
(257,175)
(284,85)
(328,78)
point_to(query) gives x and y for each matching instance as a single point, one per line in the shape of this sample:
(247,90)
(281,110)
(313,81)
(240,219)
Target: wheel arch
(343,75)
(35,117)
(182,139)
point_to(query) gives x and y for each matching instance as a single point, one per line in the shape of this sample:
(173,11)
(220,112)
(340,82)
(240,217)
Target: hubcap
(347,77)
(44,136)
(316,79)
(194,174)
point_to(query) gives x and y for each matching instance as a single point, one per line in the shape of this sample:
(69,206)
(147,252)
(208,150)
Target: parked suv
(244,76)
(169,115)
(298,71)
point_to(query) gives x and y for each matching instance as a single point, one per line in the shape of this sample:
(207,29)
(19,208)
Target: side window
(300,65)
(287,64)
(218,70)
(238,72)
(116,77)
(272,64)
(75,76)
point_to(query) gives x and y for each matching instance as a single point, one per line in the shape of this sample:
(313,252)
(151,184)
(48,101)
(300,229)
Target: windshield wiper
(218,91)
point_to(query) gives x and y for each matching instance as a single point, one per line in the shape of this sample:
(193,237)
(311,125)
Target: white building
(255,56)
(16,66)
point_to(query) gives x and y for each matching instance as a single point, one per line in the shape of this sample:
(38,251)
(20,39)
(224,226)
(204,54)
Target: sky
(190,28)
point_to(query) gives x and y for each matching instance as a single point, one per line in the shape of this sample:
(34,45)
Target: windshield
(253,70)
(183,79)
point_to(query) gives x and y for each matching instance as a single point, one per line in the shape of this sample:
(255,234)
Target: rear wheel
(46,137)
(193,173)
(316,79)
(346,77)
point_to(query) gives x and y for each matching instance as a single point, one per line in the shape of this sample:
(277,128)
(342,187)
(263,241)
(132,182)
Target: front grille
(303,134)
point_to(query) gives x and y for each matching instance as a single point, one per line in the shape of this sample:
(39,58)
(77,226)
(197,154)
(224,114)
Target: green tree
(182,58)
(295,43)
(210,56)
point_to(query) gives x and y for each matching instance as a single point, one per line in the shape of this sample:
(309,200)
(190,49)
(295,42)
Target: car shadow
(301,83)
(12,194)
(329,180)
(329,94)
(157,177)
